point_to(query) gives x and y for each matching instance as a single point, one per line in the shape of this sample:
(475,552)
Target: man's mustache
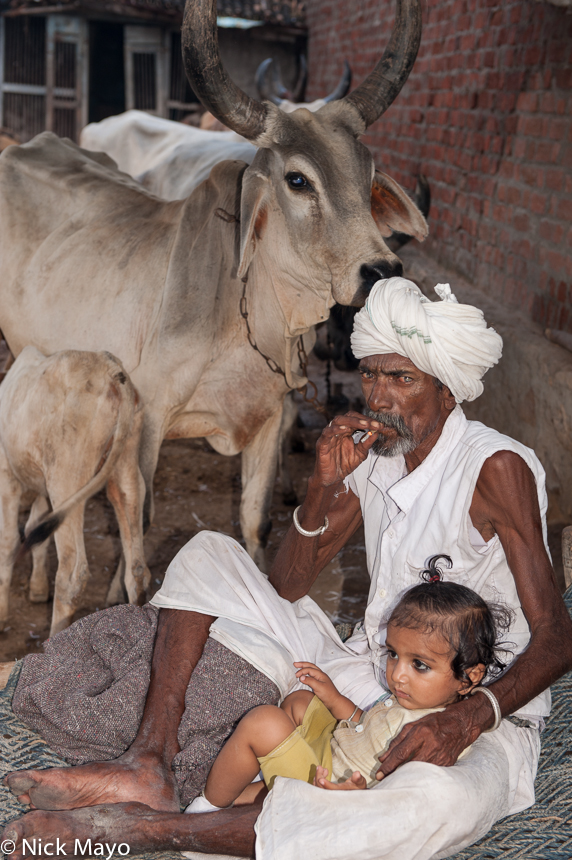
(390,419)
(402,444)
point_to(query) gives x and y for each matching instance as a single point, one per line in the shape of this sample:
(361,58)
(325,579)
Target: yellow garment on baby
(309,745)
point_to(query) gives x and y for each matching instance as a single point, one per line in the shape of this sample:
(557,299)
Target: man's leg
(230,831)
(143,773)
(223,688)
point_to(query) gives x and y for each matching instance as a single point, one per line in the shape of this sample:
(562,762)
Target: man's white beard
(404,442)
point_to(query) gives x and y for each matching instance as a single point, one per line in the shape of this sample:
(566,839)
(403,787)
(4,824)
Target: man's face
(405,400)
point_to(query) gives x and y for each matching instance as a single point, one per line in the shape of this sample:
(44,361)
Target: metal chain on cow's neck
(329,368)
(274,367)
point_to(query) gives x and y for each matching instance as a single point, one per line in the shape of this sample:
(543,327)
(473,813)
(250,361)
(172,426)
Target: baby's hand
(320,683)
(339,706)
(356,782)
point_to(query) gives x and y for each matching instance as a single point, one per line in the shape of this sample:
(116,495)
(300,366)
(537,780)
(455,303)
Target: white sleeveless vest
(410,517)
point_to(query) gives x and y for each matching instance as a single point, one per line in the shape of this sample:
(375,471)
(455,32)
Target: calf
(70,423)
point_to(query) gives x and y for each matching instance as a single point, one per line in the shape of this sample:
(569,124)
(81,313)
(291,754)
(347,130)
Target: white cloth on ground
(446,339)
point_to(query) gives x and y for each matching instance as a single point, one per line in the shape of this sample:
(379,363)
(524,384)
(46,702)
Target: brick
(551,231)
(554,179)
(527,102)
(538,203)
(564,209)
(546,151)
(532,176)
(514,195)
(521,222)
(523,248)
(563,78)
(558,128)
(533,55)
(532,126)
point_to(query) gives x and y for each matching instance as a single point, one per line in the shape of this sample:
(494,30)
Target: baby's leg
(257,734)
(296,705)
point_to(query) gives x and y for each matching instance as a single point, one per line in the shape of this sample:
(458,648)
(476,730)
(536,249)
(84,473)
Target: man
(424,481)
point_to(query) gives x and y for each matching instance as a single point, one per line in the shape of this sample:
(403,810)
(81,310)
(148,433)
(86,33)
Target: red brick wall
(486,116)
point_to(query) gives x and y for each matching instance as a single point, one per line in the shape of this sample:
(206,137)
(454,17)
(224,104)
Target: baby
(442,639)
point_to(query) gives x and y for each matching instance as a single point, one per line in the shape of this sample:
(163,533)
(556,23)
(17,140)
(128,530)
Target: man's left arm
(505,502)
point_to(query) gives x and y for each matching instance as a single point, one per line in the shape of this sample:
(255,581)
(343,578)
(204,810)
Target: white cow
(70,423)
(206,299)
(168,158)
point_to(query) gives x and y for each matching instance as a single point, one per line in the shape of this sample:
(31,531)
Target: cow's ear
(252,215)
(393,211)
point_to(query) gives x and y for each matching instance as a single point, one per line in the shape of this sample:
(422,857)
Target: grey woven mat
(543,832)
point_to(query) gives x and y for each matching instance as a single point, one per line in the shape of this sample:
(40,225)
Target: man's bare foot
(100,824)
(135,825)
(143,778)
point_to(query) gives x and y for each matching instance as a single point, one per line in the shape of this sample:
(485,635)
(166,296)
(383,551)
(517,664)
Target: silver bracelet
(354,712)
(302,531)
(496,707)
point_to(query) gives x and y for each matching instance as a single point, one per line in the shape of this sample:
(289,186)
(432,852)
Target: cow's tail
(49,523)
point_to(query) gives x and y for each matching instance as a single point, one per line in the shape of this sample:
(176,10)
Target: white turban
(446,339)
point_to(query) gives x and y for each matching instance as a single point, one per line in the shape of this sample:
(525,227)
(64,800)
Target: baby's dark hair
(471,626)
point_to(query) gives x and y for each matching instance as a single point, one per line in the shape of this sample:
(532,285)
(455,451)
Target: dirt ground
(197,488)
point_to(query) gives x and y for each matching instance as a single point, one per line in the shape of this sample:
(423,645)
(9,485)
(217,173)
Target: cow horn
(279,87)
(266,90)
(227,102)
(344,85)
(380,88)
(299,91)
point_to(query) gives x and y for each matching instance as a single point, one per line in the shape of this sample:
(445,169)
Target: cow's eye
(297,181)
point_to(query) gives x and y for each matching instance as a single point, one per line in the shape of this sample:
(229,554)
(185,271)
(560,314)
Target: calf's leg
(126,492)
(10,492)
(73,570)
(39,590)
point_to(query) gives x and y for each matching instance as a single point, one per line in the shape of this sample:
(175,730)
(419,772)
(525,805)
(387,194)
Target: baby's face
(419,670)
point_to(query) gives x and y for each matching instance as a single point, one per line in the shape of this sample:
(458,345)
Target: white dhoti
(214,575)
(419,812)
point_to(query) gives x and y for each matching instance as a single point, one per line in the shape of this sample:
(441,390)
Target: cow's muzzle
(370,273)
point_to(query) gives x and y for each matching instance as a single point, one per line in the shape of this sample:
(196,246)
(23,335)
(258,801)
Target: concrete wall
(487,116)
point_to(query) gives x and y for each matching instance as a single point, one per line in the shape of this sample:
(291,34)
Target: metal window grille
(146,68)
(144,82)
(181,97)
(43,75)
(25,51)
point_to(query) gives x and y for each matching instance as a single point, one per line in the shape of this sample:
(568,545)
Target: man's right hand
(337,455)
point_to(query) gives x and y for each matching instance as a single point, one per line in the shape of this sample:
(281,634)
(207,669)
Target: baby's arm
(339,706)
